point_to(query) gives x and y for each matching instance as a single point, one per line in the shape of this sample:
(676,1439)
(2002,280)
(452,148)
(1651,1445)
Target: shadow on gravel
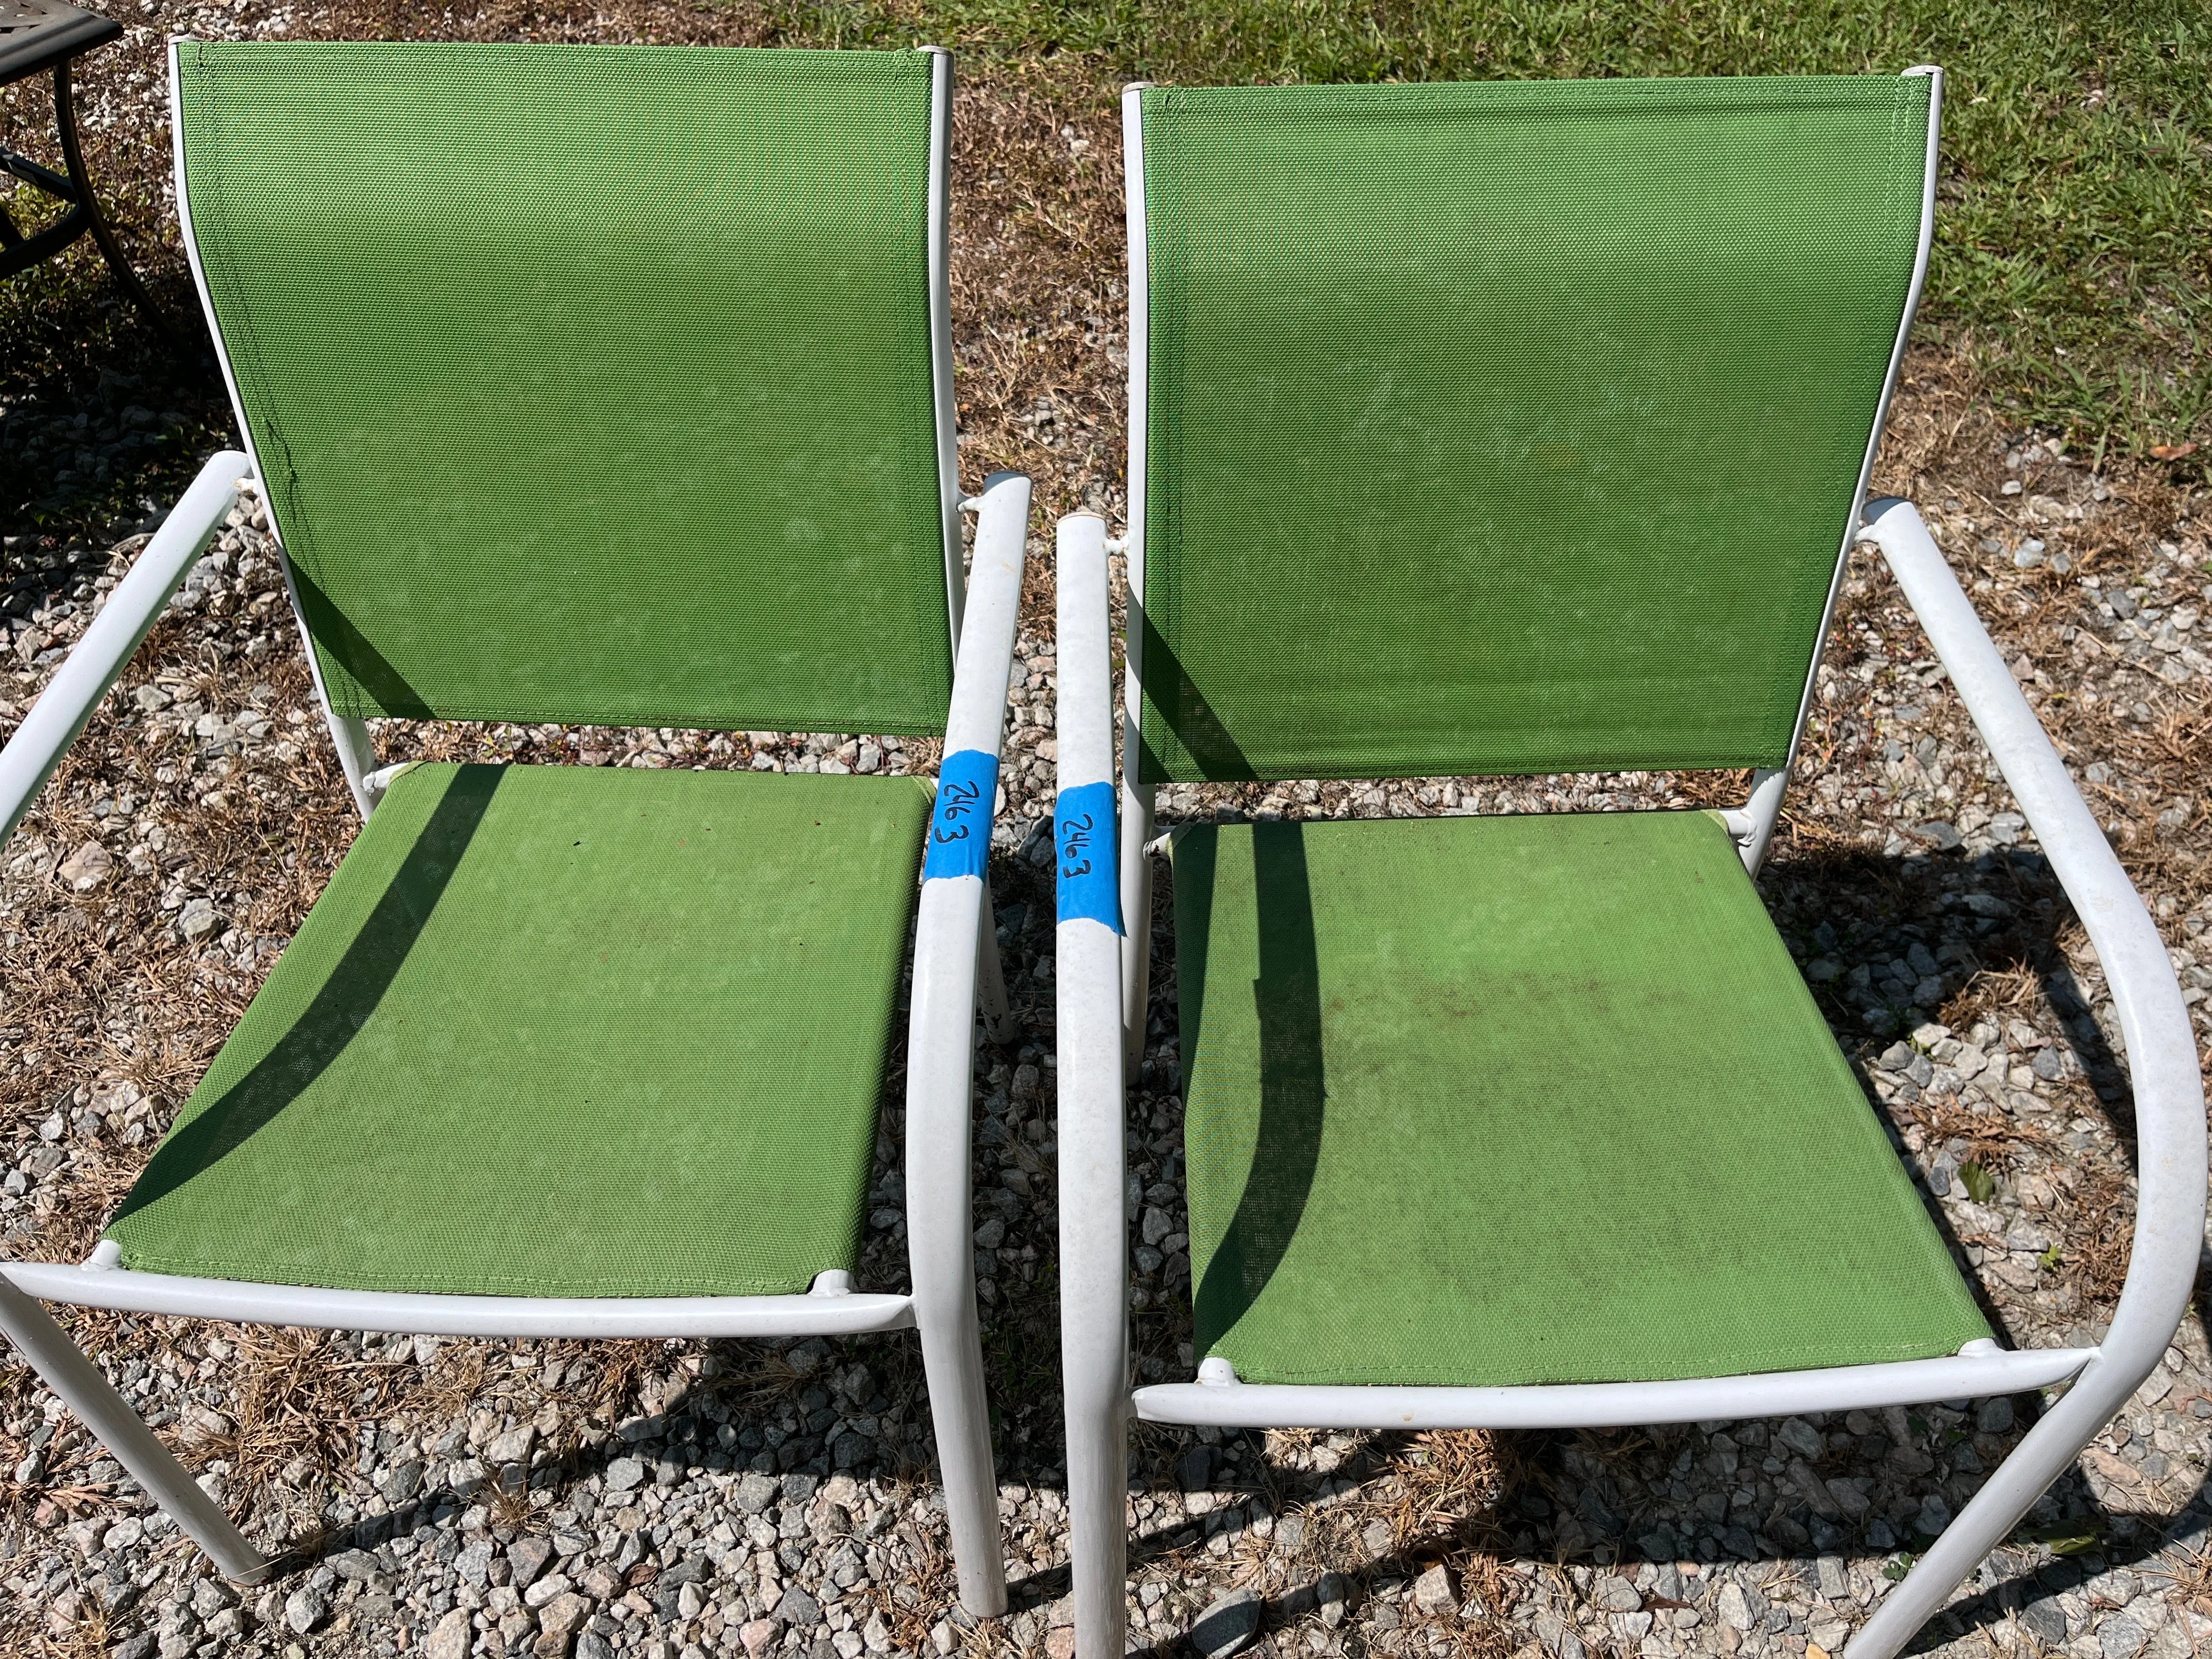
(1993,914)
(101,422)
(342,1006)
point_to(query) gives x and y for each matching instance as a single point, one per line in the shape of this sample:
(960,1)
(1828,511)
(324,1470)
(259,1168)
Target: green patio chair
(609,385)
(1523,429)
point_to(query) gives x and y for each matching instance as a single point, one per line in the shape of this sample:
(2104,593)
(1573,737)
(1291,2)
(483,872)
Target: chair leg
(952,1358)
(991,978)
(1136,916)
(1094,1283)
(66,1371)
(1094,1349)
(2043,1455)
(110,249)
(1098,1525)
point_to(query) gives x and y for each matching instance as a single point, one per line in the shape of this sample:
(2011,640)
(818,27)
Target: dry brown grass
(87,1637)
(295,1396)
(2000,995)
(2188,1572)
(2097,1225)
(1452,1482)
(1990,1135)
(925,1587)
(1437,1494)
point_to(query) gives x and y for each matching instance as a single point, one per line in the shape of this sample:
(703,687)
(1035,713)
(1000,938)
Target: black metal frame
(19,251)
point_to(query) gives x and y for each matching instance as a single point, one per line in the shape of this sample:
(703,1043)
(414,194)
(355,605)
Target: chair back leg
(2041,1457)
(991,979)
(1094,1295)
(69,1373)
(960,1415)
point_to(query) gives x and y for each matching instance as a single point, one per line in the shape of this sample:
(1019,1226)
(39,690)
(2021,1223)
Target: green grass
(2073,241)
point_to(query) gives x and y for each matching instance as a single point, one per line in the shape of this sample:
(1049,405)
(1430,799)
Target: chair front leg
(1094,1235)
(65,1370)
(991,978)
(2041,1457)
(941,1230)
(948,951)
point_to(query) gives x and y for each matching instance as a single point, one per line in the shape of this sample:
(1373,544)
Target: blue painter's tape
(960,828)
(1083,834)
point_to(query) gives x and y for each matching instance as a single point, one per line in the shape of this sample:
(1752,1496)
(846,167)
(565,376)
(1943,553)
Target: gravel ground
(683,1499)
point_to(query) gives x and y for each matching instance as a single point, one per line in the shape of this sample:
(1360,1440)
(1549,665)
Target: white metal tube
(1140,323)
(1755,851)
(991,978)
(941,1064)
(349,733)
(109,1418)
(93,664)
(1136,881)
(940,327)
(940,1226)
(2162,1066)
(1136,869)
(1094,1344)
(323,1308)
(1610,1405)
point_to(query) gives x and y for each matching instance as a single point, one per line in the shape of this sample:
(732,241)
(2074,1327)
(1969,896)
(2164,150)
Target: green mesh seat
(559,1031)
(1490,1101)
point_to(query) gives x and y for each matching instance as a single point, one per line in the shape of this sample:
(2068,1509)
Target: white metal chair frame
(955,963)
(1101,1010)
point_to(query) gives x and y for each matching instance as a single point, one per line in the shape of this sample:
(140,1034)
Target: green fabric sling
(1510,426)
(1487,1101)
(560,1030)
(593,384)
(1501,428)
(590,383)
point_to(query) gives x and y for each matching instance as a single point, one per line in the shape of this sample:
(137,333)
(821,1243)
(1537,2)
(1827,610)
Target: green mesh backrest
(1508,427)
(590,383)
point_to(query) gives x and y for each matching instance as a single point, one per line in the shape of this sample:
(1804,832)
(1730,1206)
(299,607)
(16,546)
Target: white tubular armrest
(2162,1050)
(1094,1232)
(941,1041)
(90,670)
(1087,947)
(2162,1055)
(940,1030)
